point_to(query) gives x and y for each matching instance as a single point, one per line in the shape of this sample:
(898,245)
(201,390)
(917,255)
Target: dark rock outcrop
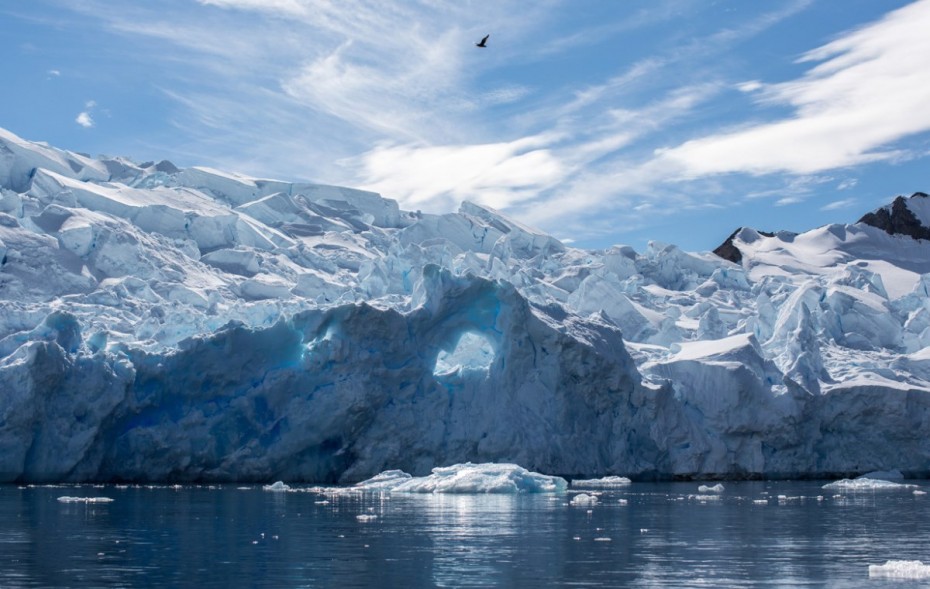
(898,219)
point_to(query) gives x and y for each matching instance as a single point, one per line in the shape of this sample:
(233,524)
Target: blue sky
(599,121)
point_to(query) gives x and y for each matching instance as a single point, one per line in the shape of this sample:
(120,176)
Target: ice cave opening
(472,352)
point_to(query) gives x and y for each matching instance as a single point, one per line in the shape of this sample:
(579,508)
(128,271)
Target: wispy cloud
(870,90)
(288,7)
(788,200)
(840,204)
(438,178)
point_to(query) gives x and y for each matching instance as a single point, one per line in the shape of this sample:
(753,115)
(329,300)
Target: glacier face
(167,324)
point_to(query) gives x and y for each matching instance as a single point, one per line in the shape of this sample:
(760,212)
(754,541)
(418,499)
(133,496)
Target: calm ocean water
(755,534)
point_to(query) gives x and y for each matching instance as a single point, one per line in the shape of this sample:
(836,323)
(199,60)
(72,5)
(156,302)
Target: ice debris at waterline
(67,499)
(900,569)
(605,482)
(159,323)
(467,479)
(277,487)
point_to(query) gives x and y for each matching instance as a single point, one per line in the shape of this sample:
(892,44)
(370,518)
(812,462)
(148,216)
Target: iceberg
(718,488)
(467,479)
(168,324)
(867,484)
(277,487)
(584,500)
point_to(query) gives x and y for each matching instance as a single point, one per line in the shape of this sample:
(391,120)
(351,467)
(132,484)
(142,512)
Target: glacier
(168,324)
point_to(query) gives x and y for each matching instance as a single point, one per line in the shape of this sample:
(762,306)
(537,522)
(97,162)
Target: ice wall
(167,324)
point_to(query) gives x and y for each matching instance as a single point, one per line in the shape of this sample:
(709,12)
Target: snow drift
(159,323)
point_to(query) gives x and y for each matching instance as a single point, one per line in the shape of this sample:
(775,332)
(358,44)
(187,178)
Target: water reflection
(644,535)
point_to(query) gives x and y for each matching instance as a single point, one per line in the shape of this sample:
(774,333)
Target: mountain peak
(904,216)
(728,250)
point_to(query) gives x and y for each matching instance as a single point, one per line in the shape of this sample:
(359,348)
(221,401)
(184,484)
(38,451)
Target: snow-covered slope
(167,324)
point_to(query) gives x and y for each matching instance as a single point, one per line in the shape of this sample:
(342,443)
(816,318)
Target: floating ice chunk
(900,569)
(468,478)
(919,492)
(366,517)
(718,488)
(602,539)
(866,484)
(278,487)
(85,499)
(603,483)
(584,500)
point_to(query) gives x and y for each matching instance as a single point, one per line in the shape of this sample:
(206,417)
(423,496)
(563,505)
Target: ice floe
(867,484)
(602,483)
(67,499)
(467,478)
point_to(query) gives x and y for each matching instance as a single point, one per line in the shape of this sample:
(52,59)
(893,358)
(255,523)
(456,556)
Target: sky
(601,122)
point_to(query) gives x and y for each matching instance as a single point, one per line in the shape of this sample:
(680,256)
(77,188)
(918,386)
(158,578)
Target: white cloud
(291,7)
(436,178)
(85,120)
(750,86)
(871,89)
(788,200)
(847,184)
(839,204)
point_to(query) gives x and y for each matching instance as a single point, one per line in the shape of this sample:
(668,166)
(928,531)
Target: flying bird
(483,42)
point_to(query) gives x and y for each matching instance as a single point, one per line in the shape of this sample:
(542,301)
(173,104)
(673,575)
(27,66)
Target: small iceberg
(467,478)
(584,500)
(67,499)
(718,488)
(278,487)
(603,483)
(900,569)
(867,484)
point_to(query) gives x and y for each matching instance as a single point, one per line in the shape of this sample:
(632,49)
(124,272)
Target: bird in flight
(483,42)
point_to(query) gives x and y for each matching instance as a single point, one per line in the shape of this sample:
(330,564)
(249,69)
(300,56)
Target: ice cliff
(159,323)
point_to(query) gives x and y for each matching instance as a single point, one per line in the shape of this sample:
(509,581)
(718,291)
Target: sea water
(748,534)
